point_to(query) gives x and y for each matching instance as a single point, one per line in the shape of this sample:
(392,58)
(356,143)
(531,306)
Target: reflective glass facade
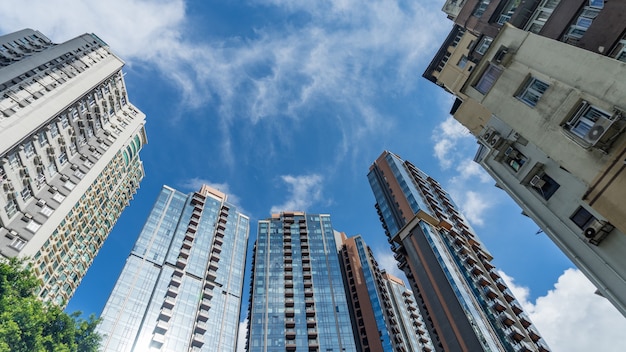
(180,289)
(465,303)
(297,300)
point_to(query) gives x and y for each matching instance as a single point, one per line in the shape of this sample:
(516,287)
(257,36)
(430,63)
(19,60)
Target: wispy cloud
(386,261)
(332,56)
(304,191)
(571,317)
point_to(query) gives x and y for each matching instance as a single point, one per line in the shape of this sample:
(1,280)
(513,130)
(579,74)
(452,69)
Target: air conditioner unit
(50,150)
(495,140)
(61,141)
(37,160)
(537,182)
(597,231)
(598,130)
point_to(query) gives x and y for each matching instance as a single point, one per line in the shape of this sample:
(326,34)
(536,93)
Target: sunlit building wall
(181,286)
(69,154)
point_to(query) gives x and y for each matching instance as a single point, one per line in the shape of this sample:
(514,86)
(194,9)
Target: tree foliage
(29,325)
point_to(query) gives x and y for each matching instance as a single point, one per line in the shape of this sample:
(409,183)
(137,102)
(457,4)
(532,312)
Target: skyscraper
(384,313)
(465,303)
(69,153)
(297,298)
(410,324)
(180,289)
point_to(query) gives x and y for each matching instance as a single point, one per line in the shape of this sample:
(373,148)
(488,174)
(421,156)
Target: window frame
(529,90)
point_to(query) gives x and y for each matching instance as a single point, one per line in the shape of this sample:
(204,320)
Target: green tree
(29,325)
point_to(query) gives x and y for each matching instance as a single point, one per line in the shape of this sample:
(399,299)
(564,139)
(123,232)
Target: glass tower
(69,154)
(465,303)
(297,299)
(181,287)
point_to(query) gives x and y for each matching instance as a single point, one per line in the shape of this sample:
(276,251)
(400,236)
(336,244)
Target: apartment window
(619,52)
(18,243)
(74,113)
(43,139)
(480,8)
(483,45)
(33,226)
(544,185)
(54,130)
(588,123)
(46,211)
(26,193)
(14,161)
(582,218)
(541,15)
(64,121)
(11,208)
(62,158)
(582,23)
(52,169)
(488,78)
(443,62)
(514,159)
(29,149)
(58,197)
(532,90)
(462,62)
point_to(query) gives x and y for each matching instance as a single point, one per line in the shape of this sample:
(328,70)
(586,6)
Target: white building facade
(69,154)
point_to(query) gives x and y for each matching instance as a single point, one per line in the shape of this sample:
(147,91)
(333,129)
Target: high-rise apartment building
(384,312)
(409,323)
(181,286)
(464,302)
(297,297)
(562,162)
(69,153)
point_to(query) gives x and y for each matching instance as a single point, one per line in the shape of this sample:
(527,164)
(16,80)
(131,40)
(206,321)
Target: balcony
(290,322)
(181,262)
(165,314)
(162,326)
(213,265)
(288,293)
(176,280)
(169,302)
(172,291)
(189,236)
(497,305)
(489,292)
(197,340)
(290,333)
(205,303)
(514,334)
(187,244)
(201,327)
(289,302)
(184,252)
(308,292)
(311,322)
(211,275)
(203,315)
(289,283)
(311,332)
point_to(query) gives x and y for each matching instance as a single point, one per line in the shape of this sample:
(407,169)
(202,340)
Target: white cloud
(386,261)
(451,142)
(241,337)
(332,57)
(194,184)
(474,205)
(304,191)
(571,317)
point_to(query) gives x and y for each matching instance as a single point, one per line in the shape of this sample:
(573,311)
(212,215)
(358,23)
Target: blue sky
(285,104)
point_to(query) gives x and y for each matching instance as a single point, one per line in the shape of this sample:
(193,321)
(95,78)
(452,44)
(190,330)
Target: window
(580,26)
(589,123)
(46,211)
(26,193)
(619,52)
(541,15)
(33,226)
(514,159)
(54,130)
(544,185)
(62,158)
(58,197)
(11,207)
(480,8)
(18,243)
(582,218)
(532,91)
(29,149)
(64,121)
(462,62)
(43,139)
(483,45)
(488,79)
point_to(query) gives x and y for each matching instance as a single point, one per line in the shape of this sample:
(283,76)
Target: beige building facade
(549,118)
